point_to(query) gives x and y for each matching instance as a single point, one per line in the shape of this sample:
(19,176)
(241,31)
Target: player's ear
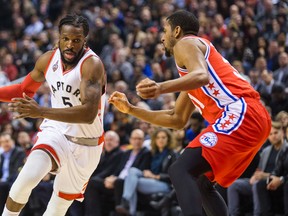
(177,31)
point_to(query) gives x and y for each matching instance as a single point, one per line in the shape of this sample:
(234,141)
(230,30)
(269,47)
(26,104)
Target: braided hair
(76,21)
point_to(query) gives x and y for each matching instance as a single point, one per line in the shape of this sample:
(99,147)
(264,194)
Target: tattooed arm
(92,83)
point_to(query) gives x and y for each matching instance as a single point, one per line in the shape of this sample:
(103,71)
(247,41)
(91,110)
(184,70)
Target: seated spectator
(279,179)
(9,67)
(108,162)
(3,78)
(138,156)
(149,181)
(269,190)
(281,74)
(11,160)
(247,187)
(24,140)
(282,117)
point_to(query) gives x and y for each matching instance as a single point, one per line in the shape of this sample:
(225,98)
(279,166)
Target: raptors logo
(208,139)
(55,66)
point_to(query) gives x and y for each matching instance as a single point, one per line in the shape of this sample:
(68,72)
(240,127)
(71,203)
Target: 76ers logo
(208,139)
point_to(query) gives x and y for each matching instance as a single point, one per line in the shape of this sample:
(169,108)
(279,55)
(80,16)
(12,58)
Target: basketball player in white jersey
(70,140)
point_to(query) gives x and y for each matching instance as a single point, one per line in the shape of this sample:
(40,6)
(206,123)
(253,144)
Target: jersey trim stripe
(50,150)
(50,59)
(70,196)
(219,82)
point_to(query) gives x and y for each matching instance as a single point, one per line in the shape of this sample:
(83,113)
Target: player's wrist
(130,109)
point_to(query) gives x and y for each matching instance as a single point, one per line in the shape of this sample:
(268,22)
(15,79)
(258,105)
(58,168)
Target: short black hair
(186,20)
(76,21)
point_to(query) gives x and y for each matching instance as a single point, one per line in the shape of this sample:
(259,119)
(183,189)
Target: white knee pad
(57,206)
(38,164)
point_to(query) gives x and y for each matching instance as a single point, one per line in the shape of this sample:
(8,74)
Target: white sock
(6,212)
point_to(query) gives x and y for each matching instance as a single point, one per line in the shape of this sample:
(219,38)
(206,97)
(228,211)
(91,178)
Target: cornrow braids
(76,21)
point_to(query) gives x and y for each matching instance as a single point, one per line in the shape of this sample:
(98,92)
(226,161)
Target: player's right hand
(120,101)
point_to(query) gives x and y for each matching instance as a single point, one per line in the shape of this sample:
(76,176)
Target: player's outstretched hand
(148,88)
(120,101)
(26,107)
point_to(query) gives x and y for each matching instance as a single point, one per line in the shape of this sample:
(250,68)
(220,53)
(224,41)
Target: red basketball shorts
(232,141)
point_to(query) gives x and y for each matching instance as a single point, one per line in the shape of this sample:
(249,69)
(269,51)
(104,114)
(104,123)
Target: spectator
(11,161)
(153,180)
(267,194)
(281,74)
(282,117)
(24,141)
(279,100)
(268,81)
(3,78)
(247,186)
(9,67)
(239,67)
(35,26)
(273,53)
(138,156)
(278,180)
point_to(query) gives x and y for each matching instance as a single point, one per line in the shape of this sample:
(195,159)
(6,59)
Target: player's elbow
(203,79)
(89,117)
(178,124)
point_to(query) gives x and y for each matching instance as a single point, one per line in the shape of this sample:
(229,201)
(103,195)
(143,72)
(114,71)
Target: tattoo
(92,93)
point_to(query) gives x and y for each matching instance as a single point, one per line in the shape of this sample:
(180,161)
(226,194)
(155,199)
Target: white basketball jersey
(65,92)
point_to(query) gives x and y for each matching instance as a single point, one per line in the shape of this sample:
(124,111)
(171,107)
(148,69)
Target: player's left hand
(148,88)
(120,101)
(26,107)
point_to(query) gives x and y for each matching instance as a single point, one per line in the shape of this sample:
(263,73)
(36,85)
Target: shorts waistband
(83,141)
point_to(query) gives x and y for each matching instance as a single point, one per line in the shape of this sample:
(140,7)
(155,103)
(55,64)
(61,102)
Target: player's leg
(184,174)
(70,183)
(57,206)
(213,203)
(38,164)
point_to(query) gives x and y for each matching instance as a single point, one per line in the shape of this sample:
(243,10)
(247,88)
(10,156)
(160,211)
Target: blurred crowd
(250,34)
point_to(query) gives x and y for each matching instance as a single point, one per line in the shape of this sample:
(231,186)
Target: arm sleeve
(28,86)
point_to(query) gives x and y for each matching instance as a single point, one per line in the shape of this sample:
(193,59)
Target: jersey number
(66,101)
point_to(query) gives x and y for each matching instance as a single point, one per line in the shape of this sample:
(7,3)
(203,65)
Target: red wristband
(29,86)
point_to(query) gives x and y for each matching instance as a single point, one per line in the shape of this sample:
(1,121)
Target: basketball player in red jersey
(239,123)
(70,140)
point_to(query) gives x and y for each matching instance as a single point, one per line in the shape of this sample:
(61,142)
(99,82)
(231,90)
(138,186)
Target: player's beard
(76,58)
(167,52)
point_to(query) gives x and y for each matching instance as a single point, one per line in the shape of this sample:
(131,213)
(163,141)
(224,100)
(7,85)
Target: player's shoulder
(92,60)
(92,66)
